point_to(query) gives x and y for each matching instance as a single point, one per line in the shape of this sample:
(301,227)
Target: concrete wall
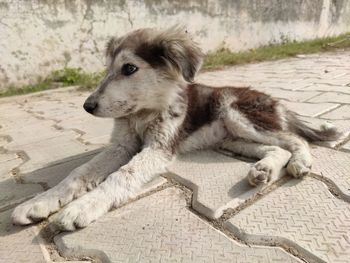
(38,36)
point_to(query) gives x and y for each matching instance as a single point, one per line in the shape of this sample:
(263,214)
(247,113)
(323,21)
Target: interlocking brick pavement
(18,244)
(309,109)
(219,182)
(334,97)
(346,146)
(334,165)
(160,228)
(341,113)
(43,136)
(303,214)
(343,126)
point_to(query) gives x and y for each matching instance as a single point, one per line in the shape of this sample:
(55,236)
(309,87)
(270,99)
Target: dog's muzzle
(90,105)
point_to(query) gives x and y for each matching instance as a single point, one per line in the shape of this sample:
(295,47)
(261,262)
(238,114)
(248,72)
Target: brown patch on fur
(258,107)
(202,109)
(152,53)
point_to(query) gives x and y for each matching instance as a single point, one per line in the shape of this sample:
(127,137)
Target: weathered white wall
(38,36)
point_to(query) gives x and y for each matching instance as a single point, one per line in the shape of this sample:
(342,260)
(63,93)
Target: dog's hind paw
(298,168)
(259,173)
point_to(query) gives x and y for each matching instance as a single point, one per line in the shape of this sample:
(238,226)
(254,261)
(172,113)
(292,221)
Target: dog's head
(143,67)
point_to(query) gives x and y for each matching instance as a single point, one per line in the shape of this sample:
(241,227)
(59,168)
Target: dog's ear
(176,47)
(111,46)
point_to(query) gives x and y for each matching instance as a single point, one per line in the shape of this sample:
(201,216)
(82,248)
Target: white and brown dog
(159,112)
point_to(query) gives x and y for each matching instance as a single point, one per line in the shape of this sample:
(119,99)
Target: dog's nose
(90,106)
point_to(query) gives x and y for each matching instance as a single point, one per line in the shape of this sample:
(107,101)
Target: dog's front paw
(259,173)
(299,168)
(35,210)
(80,213)
(41,206)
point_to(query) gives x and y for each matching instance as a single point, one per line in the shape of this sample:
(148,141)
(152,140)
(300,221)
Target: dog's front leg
(77,183)
(117,189)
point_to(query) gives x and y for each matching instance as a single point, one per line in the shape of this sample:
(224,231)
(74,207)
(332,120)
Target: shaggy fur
(159,112)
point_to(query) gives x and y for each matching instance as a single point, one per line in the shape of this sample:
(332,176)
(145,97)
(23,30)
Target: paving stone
(3,140)
(49,151)
(341,113)
(309,109)
(333,165)
(160,228)
(51,146)
(10,191)
(18,244)
(343,126)
(14,118)
(302,214)
(53,174)
(291,95)
(346,146)
(13,193)
(286,83)
(9,162)
(69,114)
(325,87)
(218,181)
(94,130)
(333,97)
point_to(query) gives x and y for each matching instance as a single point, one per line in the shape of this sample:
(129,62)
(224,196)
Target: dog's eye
(128,69)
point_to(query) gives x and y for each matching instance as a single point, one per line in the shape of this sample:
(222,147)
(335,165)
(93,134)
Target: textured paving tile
(309,109)
(53,174)
(284,83)
(340,113)
(50,151)
(18,244)
(343,126)
(68,114)
(8,161)
(13,193)
(51,146)
(218,181)
(333,165)
(291,95)
(58,117)
(346,146)
(160,228)
(333,97)
(325,87)
(302,214)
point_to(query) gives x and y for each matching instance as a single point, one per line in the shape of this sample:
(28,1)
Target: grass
(224,57)
(214,60)
(59,78)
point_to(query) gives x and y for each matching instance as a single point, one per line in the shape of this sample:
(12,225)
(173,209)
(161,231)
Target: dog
(159,112)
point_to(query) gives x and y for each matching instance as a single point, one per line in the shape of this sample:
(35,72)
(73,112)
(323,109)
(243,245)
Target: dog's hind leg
(272,159)
(301,160)
(77,183)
